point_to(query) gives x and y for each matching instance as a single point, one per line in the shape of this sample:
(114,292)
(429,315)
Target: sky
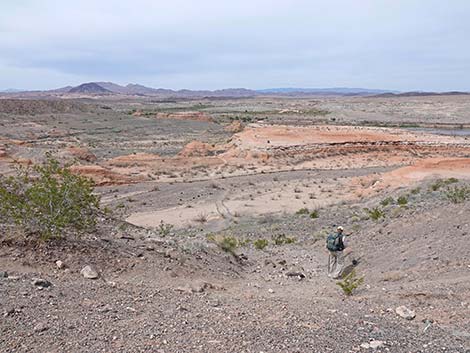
(210,44)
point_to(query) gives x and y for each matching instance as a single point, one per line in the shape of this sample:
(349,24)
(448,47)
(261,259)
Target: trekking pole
(329,263)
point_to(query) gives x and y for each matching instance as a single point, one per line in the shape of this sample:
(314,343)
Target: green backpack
(334,242)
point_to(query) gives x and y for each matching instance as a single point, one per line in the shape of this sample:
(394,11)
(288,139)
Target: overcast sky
(210,44)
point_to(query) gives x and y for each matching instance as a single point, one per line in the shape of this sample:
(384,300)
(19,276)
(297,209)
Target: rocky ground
(183,293)
(239,263)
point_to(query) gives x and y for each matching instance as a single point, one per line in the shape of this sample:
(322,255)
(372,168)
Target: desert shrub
(402,200)
(457,194)
(314,214)
(350,282)
(387,201)
(416,191)
(260,243)
(375,213)
(164,229)
(201,218)
(302,211)
(443,182)
(282,239)
(225,242)
(47,199)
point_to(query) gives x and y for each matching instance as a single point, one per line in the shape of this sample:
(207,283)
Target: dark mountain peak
(90,87)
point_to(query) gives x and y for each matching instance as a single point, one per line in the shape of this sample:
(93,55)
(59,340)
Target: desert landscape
(216,208)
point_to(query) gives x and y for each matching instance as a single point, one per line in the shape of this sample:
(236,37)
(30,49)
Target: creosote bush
(260,244)
(314,214)
(282,239)
(457,194)
(350,282)
(302,211)
(402,200)
(47,199)
(443,182)
(375,213)
(224,242)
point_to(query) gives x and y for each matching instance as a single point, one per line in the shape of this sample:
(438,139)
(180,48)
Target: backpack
(334,242)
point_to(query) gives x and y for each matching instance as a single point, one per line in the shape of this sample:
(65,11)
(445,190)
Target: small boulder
(41,283)
(89,272)
(60,265)
(3,274)
(405,313)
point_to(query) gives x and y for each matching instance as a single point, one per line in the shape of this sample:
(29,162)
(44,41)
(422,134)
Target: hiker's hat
(340,228)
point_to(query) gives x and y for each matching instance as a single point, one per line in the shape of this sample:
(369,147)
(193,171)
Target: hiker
(335,243)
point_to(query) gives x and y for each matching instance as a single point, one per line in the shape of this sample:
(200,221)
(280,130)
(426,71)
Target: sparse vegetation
(457,194)
(443,182)
(201,218)
(402,200)
(350,282)
(224,242)
(282,239)
(302,211)
(47,199)
(260,244)
(387,201)
(314,214)
(164,229)
(376,213)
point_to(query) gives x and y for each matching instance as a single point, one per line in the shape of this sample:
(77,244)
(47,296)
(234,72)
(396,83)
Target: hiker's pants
(335,263)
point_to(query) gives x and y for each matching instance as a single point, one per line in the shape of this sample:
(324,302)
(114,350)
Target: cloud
(400,44)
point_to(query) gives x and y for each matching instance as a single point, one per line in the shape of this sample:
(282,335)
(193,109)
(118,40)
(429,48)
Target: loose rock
(373,344)
(41,327)
(89,272)
(60,264)
(39,282)
(405,313)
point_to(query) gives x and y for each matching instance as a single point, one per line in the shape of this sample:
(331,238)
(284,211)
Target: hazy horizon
(390,45)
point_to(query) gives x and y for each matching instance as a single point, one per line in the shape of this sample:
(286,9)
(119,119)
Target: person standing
(335,243)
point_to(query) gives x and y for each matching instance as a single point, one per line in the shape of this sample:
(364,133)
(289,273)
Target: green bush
(302,211)
(47,199)
(387,201)
(443,182)
(226,243)
(376,213)
(282,239)
(164,229)
(314,214)
(457,194)
(402,200)
(260,243)
(350,282)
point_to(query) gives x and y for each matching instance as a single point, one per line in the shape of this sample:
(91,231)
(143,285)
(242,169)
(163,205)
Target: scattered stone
(41,327)
(405,313)
(297,274)
(89,272)
(60,265)
(9,312)
(373,344)
(42,283)
(198,287)
(105,309)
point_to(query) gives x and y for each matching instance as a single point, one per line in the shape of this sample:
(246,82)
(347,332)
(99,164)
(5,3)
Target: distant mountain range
(327,91)
(110,88)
